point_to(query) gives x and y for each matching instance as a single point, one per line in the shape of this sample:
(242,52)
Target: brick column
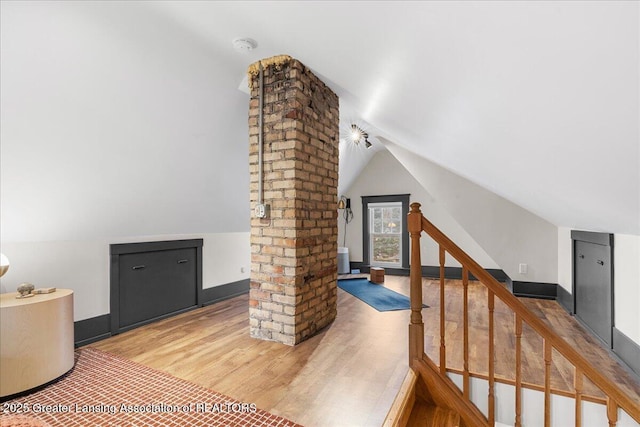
(294,250)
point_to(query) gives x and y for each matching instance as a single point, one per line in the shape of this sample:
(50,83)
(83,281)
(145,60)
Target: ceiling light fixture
(358,135)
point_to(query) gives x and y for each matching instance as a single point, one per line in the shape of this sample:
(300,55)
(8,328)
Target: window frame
(372,234)
(404,235)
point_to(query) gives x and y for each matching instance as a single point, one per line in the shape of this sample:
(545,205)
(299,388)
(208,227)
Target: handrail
(551,339)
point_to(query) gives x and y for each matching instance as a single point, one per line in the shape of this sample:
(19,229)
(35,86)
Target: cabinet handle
(600,262)
(581,256)
(182,261)
(138,267)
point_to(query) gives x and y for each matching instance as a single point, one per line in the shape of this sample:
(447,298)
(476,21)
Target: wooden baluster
(612,412)
(518,422)
(547,383)
(491,399)
(465,309)
(443,348)
(552,339)
(577,384)
(416,327)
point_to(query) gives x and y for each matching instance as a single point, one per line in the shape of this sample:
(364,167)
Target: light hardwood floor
(349,374)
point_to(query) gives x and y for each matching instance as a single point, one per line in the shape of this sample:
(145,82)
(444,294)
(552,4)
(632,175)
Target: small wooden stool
(377,275)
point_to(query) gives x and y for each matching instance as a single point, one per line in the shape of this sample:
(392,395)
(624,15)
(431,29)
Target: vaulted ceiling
(535,101)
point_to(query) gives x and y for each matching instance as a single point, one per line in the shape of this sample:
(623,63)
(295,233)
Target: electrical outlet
(522,268)
(242,269)
(262,211)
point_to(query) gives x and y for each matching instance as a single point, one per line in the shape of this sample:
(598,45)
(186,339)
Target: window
(385,242)
(385,234)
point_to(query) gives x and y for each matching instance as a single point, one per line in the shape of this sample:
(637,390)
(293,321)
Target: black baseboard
(624,350)
(627,350)
(223,292)
(98,328)
(456,273)
(433,272)
(92,330)
(519,289)
(565,299)
(533,289)
(365,268)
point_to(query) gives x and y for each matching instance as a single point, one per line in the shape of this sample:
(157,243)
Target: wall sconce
(358,135)
(344,205)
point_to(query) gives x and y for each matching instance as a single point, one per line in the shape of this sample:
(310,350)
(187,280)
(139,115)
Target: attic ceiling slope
(535,101)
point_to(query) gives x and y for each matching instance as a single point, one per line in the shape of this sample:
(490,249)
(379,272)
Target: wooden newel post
(416,326)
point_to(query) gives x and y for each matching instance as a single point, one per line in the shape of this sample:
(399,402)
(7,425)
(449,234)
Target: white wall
(113,124)
(384,175)
(84,265)
(565,263)
(626,284)
(509,234)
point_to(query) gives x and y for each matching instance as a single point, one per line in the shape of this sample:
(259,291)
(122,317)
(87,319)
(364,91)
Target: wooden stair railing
(420,362)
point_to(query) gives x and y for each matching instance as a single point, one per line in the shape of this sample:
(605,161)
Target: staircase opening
(472,394)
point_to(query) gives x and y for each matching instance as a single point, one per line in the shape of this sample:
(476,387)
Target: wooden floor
(349,373)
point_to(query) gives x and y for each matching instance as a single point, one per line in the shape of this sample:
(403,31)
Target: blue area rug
(377,296)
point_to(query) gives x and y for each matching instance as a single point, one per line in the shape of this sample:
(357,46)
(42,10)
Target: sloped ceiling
(536,101)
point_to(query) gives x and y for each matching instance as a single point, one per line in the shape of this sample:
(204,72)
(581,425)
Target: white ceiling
(536,101)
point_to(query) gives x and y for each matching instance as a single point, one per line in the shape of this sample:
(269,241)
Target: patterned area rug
(106,390)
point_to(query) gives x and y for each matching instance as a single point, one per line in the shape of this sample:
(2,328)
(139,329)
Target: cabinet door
(593,288)
(156,283)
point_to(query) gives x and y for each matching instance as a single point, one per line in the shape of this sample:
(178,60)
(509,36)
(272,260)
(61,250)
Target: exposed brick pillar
(294,251)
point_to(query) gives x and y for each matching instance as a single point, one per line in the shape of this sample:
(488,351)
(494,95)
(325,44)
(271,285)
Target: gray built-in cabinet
(153,280)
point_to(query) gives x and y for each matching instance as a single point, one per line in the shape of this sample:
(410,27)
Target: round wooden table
(36,339)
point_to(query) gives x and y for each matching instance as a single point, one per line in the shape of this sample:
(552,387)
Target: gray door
(593,288)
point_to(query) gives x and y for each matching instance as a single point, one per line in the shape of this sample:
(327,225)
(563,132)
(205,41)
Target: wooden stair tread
(427,415)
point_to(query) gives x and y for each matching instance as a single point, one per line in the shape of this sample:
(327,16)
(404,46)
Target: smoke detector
(244,45)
